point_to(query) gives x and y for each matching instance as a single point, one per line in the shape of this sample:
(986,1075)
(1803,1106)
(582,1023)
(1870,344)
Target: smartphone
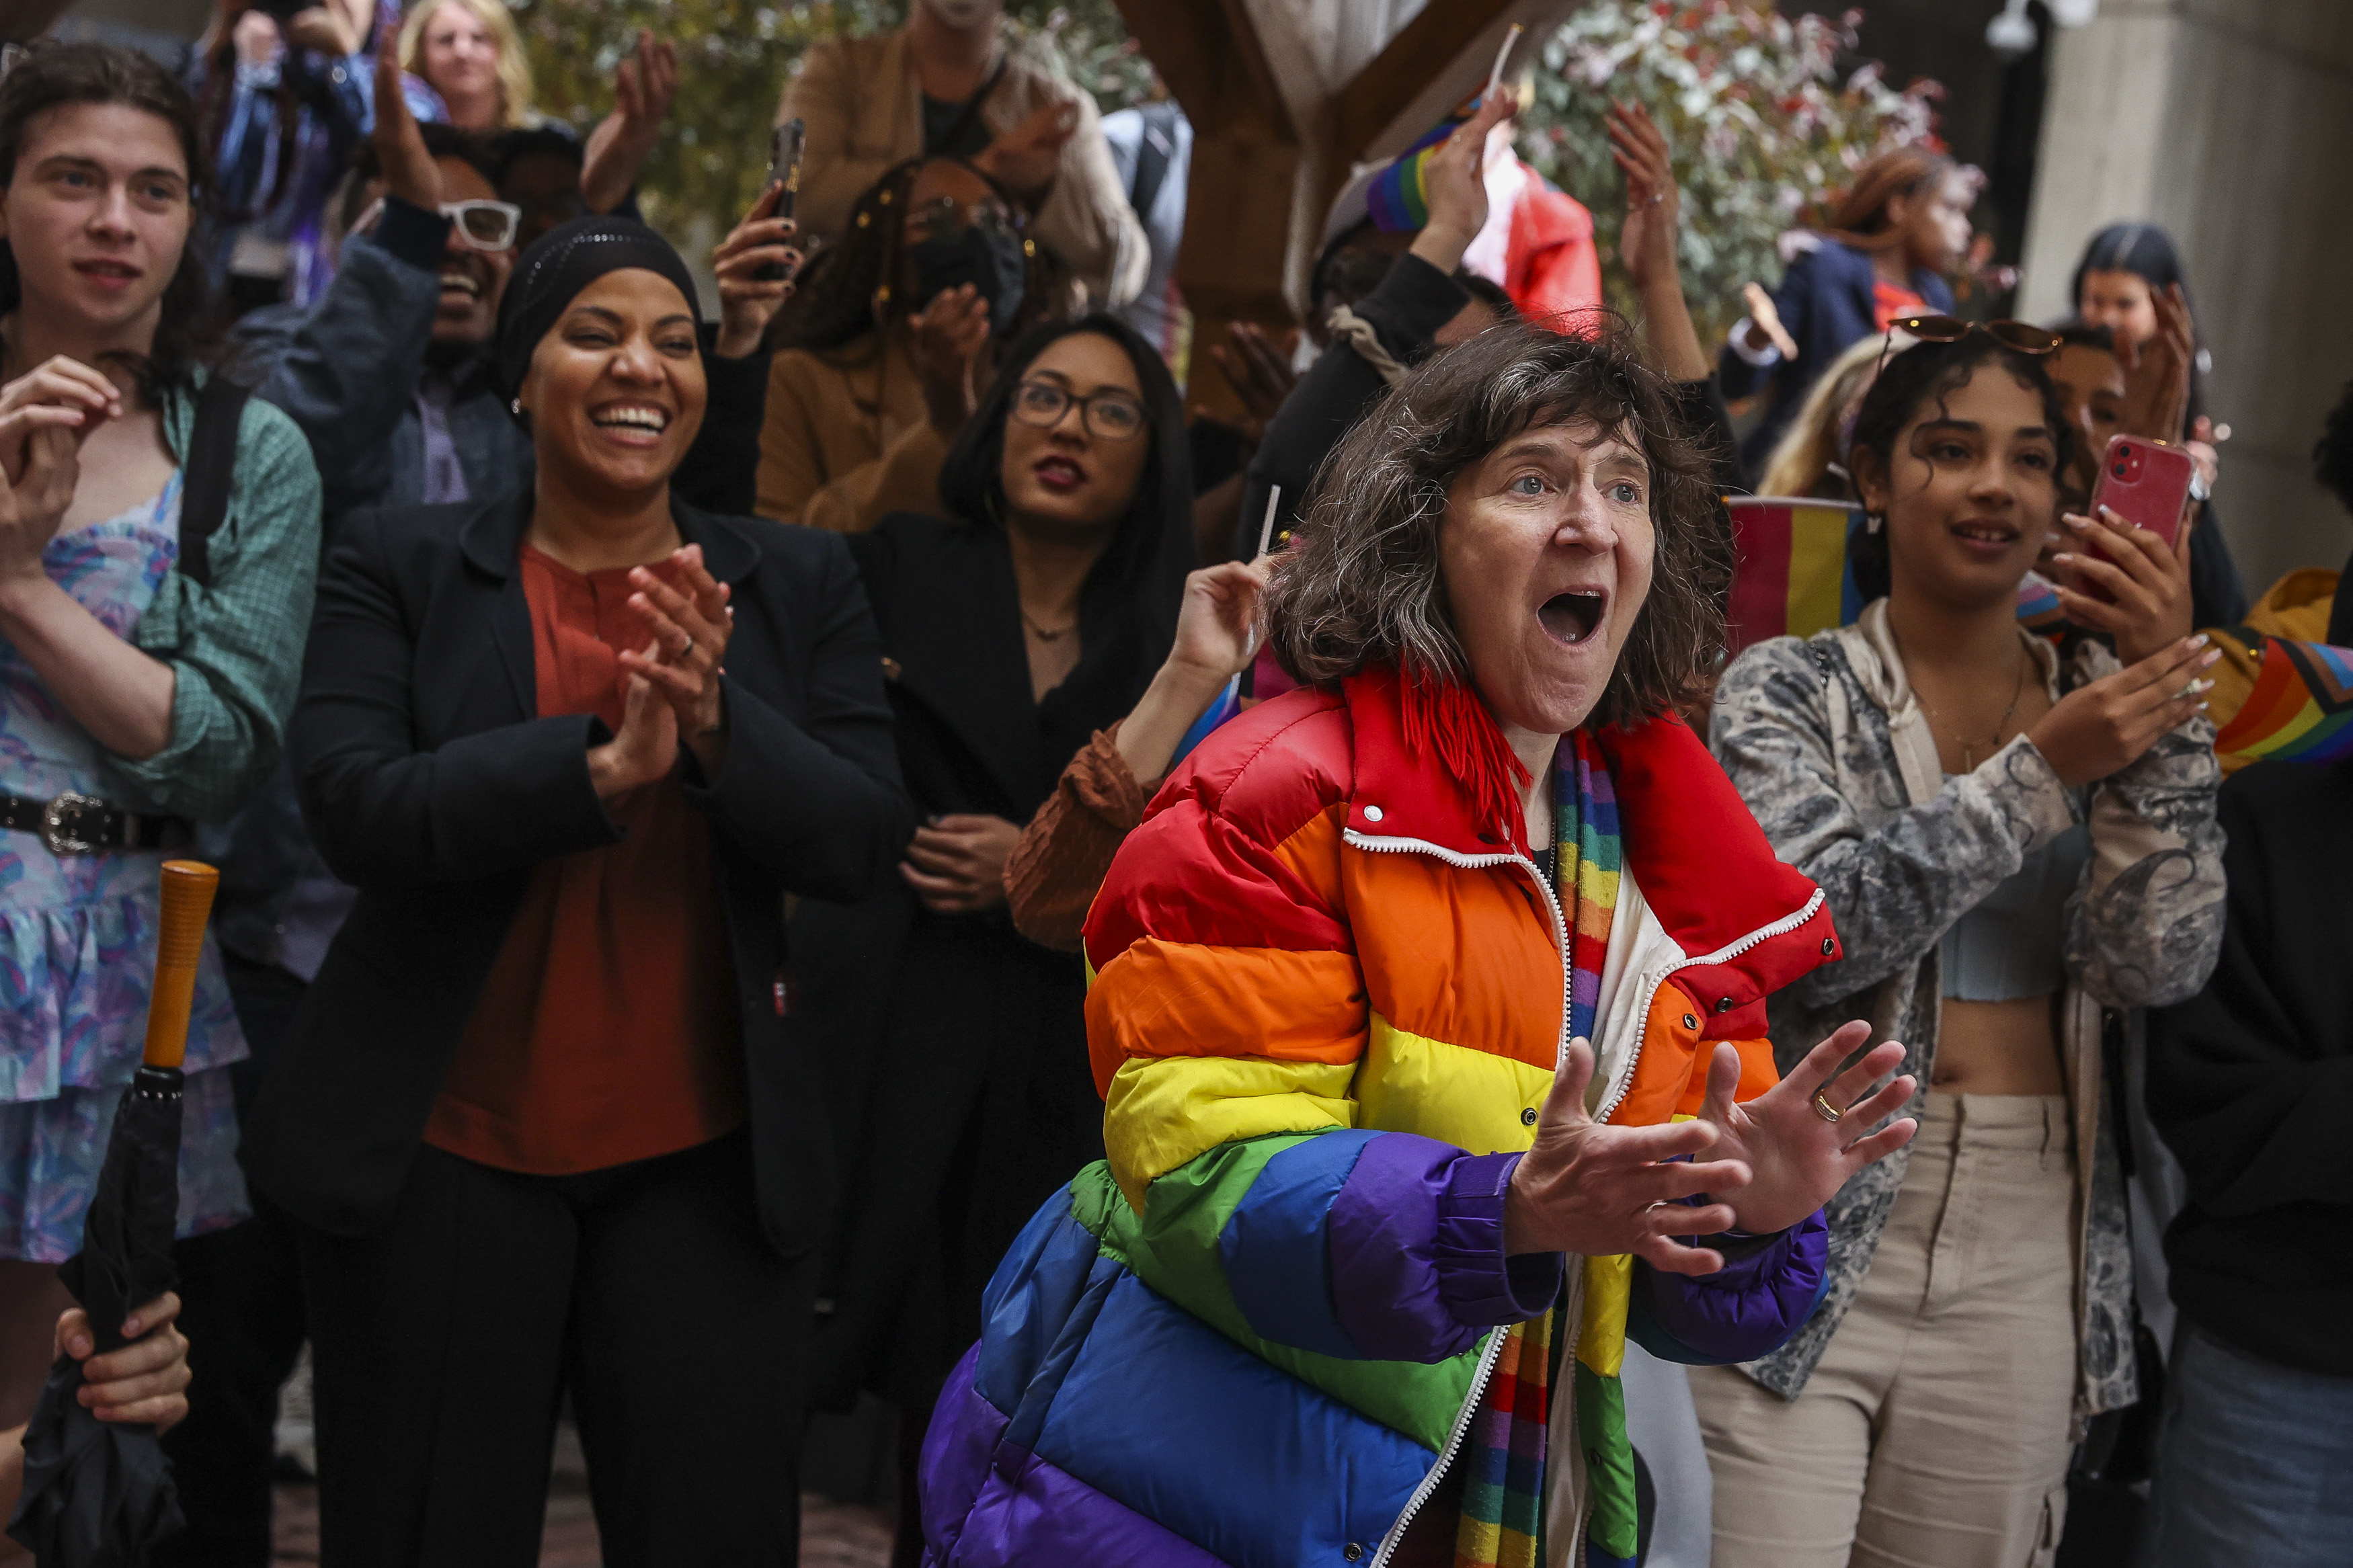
(784,169)
(2144,482)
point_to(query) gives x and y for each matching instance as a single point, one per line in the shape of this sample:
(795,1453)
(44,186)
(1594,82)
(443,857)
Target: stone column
(2230,122)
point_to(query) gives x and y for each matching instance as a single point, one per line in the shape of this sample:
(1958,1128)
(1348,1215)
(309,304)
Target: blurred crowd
(787,815)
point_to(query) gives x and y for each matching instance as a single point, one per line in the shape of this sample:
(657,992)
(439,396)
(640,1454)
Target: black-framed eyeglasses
(1113,414)
(2018,337)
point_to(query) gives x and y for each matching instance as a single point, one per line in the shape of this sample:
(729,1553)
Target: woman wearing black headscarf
(573,748)
(1012,634)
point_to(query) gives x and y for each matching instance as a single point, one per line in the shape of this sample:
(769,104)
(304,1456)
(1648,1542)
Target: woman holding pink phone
(2017,841)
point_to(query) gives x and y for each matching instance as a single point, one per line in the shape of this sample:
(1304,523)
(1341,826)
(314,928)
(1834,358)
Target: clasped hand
(1589,1187)
(674,691)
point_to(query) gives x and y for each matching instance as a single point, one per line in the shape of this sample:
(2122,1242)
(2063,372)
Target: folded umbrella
(98,1494)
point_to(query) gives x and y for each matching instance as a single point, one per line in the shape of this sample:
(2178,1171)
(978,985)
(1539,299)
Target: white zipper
(1487,1358)
(1725,954)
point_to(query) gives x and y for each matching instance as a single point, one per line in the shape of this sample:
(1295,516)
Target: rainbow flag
(1790,576)
(2301,710)
(1794,575)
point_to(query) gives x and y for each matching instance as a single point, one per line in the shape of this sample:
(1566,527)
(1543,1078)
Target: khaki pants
(1933,1431)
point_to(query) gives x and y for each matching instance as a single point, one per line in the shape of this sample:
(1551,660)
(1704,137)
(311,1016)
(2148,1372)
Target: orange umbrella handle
(187,898)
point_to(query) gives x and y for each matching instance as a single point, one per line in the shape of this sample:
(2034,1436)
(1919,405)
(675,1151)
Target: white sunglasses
(485,225)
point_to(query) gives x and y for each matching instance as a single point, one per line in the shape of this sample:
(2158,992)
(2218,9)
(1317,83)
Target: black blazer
(429,783)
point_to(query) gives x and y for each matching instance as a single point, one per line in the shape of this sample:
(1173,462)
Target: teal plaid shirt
(235,647)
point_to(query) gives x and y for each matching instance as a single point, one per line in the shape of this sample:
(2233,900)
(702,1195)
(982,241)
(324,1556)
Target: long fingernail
(2201,640)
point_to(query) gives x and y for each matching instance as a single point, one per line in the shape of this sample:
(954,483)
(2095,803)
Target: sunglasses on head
(2018,337)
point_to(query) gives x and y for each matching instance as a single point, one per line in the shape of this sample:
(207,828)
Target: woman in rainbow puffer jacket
(1315,1307)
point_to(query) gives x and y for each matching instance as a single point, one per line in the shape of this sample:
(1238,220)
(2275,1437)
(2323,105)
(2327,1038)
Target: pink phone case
(2144,482)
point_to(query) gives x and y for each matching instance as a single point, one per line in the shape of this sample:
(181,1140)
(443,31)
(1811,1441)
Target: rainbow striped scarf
(1504,1452)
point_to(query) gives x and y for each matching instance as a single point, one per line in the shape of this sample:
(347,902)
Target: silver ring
(1823,1109)
(687,650)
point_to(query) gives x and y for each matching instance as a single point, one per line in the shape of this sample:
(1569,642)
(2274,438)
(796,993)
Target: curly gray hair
(1362,584)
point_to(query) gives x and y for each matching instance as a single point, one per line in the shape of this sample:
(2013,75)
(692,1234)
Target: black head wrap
(558,266)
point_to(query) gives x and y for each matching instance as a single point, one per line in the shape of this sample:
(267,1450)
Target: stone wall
(2231,124)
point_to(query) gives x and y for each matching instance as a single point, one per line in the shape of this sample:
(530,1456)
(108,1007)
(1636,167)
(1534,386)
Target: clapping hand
(1589,1187)
(409,170)
(748,301)
(1646,245)
(950,335)
(1798,1157)
(1260,374)
(691,624)
(2157,372)
(1024,159)
(645,84)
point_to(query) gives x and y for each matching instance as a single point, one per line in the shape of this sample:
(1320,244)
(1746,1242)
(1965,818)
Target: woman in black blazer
(541,1125)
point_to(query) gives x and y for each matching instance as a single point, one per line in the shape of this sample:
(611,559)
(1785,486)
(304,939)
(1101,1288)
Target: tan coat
(846,441)
(864,110)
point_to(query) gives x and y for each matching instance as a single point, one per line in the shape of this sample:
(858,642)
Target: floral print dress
(77,941)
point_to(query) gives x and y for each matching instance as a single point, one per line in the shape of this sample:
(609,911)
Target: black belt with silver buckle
(83,825)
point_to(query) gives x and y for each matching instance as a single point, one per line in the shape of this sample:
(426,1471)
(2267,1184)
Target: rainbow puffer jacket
(1328,1002)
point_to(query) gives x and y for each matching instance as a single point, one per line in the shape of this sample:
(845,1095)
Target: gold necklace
(1042,633)
(2017,693)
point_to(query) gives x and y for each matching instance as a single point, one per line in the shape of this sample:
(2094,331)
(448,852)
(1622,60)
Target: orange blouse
(606,1031)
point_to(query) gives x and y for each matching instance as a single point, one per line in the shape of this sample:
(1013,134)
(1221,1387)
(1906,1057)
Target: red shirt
(606,1031)
(1891,303)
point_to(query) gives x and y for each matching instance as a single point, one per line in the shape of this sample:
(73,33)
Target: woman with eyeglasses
(1033,611)
(2018,838)
(883,351)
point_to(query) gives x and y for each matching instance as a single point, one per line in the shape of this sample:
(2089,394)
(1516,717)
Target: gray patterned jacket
(1826,742)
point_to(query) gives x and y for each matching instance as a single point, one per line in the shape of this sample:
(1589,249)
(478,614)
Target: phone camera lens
(2120,471)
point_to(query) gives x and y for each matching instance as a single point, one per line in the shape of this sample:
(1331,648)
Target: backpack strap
(205,477)
(1153,153)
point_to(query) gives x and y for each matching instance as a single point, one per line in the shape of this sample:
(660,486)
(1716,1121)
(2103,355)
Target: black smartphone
(785,169)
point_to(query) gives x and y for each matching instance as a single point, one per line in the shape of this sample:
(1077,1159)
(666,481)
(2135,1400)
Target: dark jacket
(1413,301)
(1826,302)
(2250,1081)
(957,1047)
(429,783)
(349,371)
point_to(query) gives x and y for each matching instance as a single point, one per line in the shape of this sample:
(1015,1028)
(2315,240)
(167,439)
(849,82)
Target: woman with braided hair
(885,348)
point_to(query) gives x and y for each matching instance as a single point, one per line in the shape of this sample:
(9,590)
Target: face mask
(987,258)
(961,13)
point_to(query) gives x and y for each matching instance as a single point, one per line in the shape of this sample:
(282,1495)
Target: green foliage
(735,56)
(1763,130)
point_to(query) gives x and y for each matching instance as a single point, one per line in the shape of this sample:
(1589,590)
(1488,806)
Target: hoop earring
(1872,520)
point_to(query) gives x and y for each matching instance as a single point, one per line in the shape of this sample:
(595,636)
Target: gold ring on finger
(1824,1108)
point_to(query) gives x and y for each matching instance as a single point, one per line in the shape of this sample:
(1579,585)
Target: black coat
(956,1047)
(429,783)
(2251,1081)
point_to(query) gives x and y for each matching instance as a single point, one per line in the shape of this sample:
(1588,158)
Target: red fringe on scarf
(1444,716)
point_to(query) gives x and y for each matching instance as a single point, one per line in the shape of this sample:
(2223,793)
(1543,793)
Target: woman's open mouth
(636,424)
(1985,538)
(1573,616)
(1059,474)
(107,274)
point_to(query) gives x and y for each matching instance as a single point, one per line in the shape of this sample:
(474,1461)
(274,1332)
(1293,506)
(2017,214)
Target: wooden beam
(1394,77)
